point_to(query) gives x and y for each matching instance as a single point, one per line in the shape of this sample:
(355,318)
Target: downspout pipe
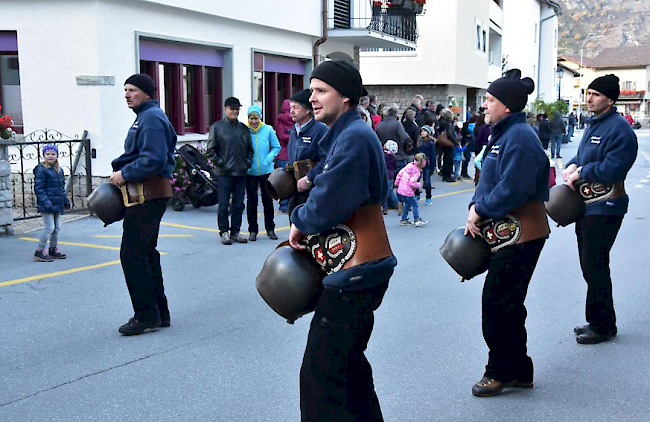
(539,45)
(321,40)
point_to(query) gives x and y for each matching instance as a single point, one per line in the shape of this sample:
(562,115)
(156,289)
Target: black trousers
(235,187)
(141,261)
(252,185)
(504,312)
(447,162)
(336,379)
(596,235)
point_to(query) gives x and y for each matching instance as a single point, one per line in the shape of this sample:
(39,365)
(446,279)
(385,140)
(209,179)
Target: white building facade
(63,63)
(463,46)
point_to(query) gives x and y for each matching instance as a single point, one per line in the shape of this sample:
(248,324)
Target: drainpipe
(539,47)
(317,44)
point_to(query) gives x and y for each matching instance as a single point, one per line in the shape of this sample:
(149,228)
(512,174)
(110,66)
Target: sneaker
(406,222)
(56,253)
(400,208)
(271,234)
(420,222)
(252,237)
(238,238)
(40,255)
(225,238)
(136,327)
(385,212)
(427,201)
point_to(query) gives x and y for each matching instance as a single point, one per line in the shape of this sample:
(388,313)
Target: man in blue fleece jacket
(606,153)
(336,379)
(305,144)
(148,157)
(514,181)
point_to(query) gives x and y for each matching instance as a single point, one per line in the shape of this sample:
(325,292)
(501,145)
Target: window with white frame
(481,37)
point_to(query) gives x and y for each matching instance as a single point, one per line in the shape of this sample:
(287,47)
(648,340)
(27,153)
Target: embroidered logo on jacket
(306,139)
(135,125)
(595,140)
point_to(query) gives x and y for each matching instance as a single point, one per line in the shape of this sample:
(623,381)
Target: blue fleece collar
(146,106)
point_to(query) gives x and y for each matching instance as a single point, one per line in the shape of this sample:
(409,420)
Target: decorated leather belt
(360,239)
(526,223)
(136,193)
(595,191)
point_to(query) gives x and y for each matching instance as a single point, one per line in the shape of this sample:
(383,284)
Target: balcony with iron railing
(369,24)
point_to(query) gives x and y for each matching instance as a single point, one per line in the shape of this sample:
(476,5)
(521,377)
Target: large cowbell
(290,282)
(107,202)
(564,205)
(468,256)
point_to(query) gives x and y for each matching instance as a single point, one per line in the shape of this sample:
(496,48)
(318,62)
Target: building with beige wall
(630,64)
(463,46)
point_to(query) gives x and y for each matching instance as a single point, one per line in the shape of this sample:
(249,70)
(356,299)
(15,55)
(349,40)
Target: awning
(629,101)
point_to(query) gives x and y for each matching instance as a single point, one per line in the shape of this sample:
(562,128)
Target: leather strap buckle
(127,199)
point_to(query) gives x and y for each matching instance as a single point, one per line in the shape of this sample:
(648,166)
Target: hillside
(621,23)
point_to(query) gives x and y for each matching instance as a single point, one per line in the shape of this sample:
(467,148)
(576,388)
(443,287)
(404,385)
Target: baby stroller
(202,189)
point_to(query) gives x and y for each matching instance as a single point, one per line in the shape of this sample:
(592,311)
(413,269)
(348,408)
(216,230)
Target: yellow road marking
(119,236)
(85,245)
(58,273)
(452,193)
(182,226)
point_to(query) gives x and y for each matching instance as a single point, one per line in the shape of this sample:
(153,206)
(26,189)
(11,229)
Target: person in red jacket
(283,130)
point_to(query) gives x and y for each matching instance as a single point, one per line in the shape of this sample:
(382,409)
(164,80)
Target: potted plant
(5,126)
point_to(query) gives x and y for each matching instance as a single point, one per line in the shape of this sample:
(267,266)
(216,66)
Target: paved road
(228,357)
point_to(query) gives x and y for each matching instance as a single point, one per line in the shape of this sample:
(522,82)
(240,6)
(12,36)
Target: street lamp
(560,73)
(589,37)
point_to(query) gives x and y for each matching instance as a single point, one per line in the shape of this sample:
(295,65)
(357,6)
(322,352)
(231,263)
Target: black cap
(144,82)
(511,90)
(232,102)
(607,85)
(343,76)
(302,98)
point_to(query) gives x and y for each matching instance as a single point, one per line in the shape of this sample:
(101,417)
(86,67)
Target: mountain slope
(622,23)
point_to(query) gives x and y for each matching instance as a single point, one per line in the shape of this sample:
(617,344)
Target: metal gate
(74,159)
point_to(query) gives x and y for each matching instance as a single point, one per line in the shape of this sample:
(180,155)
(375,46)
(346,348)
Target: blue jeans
(391,201)
(556,143)
(52,222)
(457,165)
(285,202)
(235,187)
(410,202)
(571,129)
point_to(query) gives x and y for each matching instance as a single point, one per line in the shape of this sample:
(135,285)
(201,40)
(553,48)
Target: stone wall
(403,95)
(6,212)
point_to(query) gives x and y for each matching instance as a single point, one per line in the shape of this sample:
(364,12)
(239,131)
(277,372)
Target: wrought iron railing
(393,21)
(74,159)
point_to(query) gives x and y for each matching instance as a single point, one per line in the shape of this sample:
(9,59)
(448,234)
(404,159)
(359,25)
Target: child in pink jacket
(407,180)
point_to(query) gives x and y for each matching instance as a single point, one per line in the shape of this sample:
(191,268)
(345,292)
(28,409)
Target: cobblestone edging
(6,212)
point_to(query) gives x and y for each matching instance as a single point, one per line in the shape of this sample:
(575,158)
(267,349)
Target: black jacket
(391,129)
(414,133)
(230,148)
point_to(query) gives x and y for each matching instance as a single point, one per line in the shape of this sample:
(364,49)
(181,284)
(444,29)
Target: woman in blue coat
(51,200)
(265,147)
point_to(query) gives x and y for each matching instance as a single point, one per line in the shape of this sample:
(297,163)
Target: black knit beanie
(302,98)
(511,90)
(343,76)
(607,85)
(144,82)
